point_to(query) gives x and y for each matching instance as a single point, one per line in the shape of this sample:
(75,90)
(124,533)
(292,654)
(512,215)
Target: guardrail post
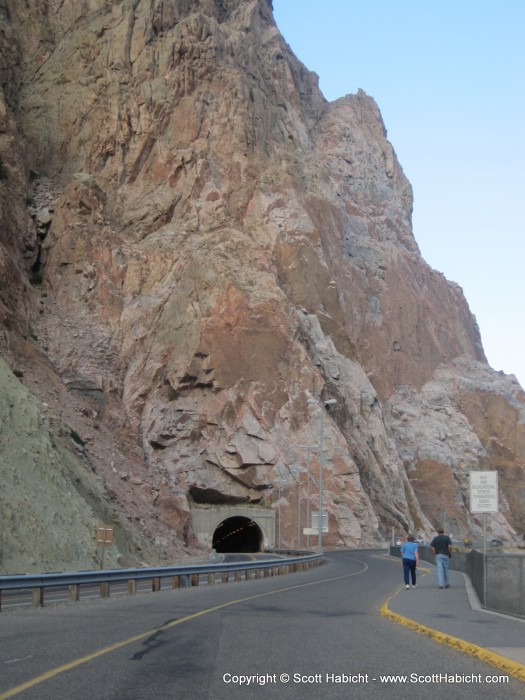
(38,597)
(74,592)
(37,585)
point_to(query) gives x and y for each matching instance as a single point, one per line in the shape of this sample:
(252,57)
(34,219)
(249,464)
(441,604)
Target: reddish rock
(194,243)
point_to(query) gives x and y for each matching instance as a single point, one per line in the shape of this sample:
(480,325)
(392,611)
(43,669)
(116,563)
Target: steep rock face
(210,243)
(465,418)
(51,500)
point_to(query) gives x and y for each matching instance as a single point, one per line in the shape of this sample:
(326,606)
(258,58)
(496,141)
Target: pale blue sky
(449,79)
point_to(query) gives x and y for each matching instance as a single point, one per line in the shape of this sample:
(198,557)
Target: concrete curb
(513,668)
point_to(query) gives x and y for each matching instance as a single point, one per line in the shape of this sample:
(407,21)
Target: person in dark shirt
(442,547)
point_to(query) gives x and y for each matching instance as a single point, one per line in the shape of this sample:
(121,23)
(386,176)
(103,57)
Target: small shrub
(36,278)
(76,437)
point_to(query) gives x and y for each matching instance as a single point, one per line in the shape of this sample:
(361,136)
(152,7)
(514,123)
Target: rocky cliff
(194,243)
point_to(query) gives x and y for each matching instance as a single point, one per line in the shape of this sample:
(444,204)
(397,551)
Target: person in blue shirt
(410,559)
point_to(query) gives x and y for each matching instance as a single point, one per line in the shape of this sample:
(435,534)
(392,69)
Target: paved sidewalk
(456,611)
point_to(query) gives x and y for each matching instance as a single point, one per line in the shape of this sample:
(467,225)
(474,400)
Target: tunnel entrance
(238,534)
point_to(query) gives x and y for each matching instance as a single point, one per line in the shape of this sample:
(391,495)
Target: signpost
(484,499)
(314,530)
(315,521)
(104,537)
(484,492)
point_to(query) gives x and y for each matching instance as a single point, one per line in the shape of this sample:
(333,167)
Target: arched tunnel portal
(238,534)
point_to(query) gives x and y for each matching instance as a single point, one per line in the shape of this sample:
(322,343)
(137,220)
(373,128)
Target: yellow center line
(138,637)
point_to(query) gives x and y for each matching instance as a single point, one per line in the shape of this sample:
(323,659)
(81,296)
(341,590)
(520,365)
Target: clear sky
(449,79)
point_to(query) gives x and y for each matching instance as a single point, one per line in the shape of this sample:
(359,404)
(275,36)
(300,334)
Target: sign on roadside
(104,535)
(315,521)
(484,492)
(105,538)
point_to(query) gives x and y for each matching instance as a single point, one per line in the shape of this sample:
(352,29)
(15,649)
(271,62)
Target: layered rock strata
(195,243)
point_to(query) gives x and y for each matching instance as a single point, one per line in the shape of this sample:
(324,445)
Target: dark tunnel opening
(238,534)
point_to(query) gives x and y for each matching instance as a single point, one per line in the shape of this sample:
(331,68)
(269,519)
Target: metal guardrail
(182,576)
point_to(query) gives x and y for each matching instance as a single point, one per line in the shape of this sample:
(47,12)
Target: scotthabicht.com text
(361,678)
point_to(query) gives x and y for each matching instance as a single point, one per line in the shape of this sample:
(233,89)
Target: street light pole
(280,483)
(325,404)
(310,449)
(296,472)
(308,523)
(298,511)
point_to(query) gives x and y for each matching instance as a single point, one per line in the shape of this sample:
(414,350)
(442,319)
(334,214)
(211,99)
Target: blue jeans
(442,569)
(409,570)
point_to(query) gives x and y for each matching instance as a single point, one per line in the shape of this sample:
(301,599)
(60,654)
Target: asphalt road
(312,634)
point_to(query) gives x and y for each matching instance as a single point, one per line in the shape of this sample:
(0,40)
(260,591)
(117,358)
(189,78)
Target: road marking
(136,638)
(15,661)
(513,668)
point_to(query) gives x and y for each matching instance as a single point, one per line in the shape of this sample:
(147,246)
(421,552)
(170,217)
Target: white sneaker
(407,586)
(414,585)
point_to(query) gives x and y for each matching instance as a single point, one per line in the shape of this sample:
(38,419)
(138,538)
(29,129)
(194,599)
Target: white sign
(484,492)
(315,521)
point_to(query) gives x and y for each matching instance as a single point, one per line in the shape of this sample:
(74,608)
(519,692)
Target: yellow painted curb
(513,668)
